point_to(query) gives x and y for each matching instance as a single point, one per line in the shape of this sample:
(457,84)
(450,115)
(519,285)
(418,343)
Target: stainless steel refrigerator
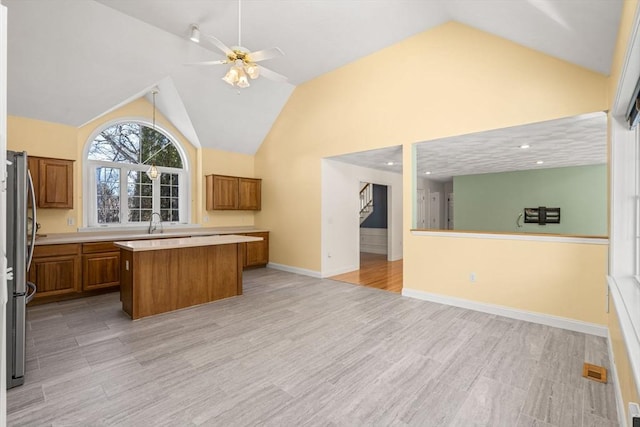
(20,245)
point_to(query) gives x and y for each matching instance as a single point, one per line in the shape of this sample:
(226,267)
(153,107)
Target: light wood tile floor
(298,351)
(375,272)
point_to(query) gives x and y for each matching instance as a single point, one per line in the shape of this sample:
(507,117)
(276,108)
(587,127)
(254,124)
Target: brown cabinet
(100,266)
(53,182)
(249,194)
(233,193)
(56,270)
(256,254)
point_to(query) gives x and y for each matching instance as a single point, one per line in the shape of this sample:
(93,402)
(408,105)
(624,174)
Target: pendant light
(153,172)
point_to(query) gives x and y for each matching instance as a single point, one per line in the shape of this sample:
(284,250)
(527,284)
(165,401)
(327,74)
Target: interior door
(421,220)
(434,210)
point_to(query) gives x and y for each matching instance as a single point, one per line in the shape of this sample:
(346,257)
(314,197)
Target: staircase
(366,201)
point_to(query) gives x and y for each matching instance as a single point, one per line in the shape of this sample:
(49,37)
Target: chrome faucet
(154,226)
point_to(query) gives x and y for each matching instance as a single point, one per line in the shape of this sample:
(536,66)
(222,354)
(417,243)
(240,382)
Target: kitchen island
(158,276)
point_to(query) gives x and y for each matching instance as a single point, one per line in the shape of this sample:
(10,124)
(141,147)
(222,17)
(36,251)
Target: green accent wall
(492,202)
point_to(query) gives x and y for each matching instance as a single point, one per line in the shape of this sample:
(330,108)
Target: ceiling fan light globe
(243,82)
(252,70)
(232,76)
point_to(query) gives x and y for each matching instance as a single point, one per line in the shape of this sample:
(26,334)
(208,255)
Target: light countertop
(184,242)
(104,236)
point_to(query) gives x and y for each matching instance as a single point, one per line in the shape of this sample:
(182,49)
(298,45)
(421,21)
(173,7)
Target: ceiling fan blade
(223,47)
(272,75)
(218,62)
(263,54)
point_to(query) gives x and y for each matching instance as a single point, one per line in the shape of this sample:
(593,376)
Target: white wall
(340,214)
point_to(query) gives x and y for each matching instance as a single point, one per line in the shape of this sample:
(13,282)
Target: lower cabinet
(56,270)
(256,254)
(71,270)
(100,266)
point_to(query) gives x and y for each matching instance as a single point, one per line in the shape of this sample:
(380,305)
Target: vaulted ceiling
(71,61)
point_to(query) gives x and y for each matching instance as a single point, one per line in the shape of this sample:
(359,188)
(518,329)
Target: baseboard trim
(340,271)
(296,270)
(528,316)
(614,373)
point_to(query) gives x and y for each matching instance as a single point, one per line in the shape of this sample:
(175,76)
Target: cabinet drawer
(90,248)
(56,250)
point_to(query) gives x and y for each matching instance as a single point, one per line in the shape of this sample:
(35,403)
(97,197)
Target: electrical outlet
(472,277)
(205,218)
(71,221)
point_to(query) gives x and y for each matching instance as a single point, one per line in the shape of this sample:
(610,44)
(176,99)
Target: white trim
(616,387)
(513,313)
(626,82)
(520,237)
(340,271)
(296,270)
(623,297)
(398,257)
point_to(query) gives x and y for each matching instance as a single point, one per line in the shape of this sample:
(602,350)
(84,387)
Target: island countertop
(183,242)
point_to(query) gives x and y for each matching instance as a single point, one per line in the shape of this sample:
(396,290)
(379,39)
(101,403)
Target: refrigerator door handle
(34,220)
(31,292)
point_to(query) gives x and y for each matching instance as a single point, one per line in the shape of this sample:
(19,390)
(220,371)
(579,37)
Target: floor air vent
(594,372)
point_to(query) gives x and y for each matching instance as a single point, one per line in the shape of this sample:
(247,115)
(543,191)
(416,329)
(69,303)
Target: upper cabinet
(249,194)
(233,193)
(53,182)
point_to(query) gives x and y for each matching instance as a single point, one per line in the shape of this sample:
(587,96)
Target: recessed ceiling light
(539,162)
(390,163)
(525,146)
(427,173)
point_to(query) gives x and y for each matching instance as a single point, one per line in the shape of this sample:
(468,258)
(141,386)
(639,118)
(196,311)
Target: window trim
(89,213)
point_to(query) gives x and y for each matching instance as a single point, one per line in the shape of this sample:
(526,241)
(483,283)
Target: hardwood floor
(295,350)
(375,272)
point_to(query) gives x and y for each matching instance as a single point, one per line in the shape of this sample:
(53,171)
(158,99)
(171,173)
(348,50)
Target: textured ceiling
(573,141)
(70,61)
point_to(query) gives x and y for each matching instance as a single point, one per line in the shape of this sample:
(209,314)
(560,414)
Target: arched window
(119,189)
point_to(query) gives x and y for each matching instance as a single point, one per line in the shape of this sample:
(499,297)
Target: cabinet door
(100,270)
(55,186)
(256,253)
(55,275)
(249,193)
(225,192)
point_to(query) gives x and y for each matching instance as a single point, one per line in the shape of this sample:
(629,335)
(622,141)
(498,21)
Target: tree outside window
(118,158)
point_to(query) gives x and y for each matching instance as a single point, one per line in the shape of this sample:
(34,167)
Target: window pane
(108,195)
(169,205)
(134,143)
(136,200)
(118,143)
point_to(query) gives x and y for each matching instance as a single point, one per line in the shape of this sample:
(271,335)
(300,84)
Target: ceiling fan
(243,61)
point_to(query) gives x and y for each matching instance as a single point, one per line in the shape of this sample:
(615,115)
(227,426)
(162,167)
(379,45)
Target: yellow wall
(448,81)
(628,387)
(47,139)
(225,163)
(543,277)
